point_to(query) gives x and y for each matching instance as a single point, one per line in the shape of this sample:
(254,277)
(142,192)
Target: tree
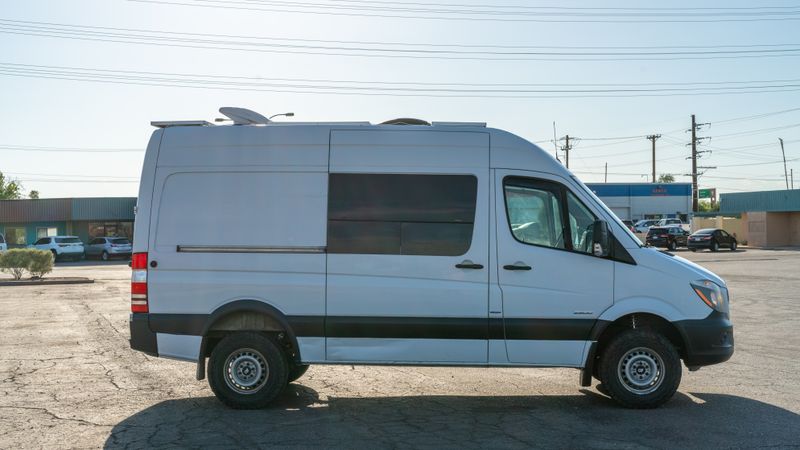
(666,178)
(707,206)
(34,194)
(9,189)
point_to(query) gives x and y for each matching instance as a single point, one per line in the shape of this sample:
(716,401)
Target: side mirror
(600,239)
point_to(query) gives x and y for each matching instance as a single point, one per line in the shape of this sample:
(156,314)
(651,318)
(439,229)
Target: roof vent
(405,121)
(242,116)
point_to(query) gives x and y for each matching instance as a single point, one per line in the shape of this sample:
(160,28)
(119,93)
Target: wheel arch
(245,315)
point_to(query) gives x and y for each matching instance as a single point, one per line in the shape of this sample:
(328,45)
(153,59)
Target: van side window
(401,214)
(534,213)
(581,222)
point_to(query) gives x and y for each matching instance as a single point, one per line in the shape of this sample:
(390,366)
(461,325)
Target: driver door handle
(467,264)
(517,266)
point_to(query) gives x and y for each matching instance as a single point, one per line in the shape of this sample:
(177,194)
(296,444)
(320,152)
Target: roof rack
(459,124)
(181,123)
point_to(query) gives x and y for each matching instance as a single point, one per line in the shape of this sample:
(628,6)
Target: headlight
(712,294)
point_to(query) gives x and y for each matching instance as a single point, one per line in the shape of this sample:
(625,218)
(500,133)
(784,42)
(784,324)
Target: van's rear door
(407,246)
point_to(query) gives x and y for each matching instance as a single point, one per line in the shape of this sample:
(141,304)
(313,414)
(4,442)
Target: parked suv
(669,237)
(109,247)
(3,245)
(668,222)
(712,239)
(63,247)
(643,225)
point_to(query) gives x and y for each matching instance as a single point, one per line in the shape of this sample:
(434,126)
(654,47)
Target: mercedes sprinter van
(261,248)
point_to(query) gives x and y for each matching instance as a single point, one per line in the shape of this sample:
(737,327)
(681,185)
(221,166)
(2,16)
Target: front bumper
(708,341)
(142,338)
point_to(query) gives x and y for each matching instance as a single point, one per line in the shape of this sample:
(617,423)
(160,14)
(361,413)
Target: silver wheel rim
(246,371)
(641,370)
(105,256)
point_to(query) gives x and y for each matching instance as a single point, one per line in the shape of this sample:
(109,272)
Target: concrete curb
(47,281)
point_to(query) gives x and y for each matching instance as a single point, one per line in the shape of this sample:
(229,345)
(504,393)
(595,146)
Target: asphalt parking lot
(69,379)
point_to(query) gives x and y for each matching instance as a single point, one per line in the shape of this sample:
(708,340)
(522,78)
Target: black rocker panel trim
(399,327)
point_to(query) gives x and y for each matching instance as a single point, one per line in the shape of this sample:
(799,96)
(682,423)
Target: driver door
(553,288)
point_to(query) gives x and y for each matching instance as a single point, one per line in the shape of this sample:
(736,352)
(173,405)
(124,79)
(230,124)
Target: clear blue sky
(47,112)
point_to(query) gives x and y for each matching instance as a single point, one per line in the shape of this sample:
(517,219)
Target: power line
(219,83)
(383,49)
(502,16)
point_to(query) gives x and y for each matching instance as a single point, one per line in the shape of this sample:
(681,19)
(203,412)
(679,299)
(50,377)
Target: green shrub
(15,262)
(40,262)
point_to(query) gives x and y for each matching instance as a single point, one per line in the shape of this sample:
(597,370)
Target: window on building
(46,231)
(401,214)
(16,236)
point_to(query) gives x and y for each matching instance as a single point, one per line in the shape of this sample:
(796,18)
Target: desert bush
(40,262)
(15,262)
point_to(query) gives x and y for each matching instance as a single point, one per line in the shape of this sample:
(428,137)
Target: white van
(265,247)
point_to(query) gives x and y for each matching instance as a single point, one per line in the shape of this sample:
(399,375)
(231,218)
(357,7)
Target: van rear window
(401,214)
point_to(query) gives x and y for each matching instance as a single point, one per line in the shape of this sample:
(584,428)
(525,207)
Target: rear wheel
(693,249)
(247,370)
(640,369)
(296,371)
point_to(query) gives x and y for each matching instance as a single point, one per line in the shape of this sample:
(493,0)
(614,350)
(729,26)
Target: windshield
(610,213)
(120,241)
(68,240)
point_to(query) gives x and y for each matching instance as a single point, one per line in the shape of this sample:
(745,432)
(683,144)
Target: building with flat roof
(769,218)
(637,201)
(22,222)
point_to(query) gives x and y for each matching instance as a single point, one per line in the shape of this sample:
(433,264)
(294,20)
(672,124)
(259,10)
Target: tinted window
(68,240)
(654,230)
(42,241)
(401,214)
(120,241)
(2,239)
(535,214)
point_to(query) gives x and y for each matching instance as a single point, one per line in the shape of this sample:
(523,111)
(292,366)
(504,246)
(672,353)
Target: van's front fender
(641,305)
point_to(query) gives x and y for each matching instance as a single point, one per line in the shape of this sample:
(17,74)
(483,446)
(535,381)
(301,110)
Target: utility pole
(694,165)
(695,155)
(785,175)
(605,179)
(652,139)
(791,176)
(567,149)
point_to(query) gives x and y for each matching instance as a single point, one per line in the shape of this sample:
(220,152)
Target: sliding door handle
(517,266)
(467,264)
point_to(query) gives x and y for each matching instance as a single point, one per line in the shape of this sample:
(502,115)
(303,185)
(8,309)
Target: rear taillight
(139,283)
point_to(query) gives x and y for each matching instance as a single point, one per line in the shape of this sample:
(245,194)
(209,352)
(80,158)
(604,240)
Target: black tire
(252,350)
(296,371)
(55,255)
(714,246)
(733,246)
(104,255)
(693,249)
(642,349)
(672,246)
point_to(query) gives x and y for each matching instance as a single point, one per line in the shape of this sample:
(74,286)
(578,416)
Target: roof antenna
(242,116)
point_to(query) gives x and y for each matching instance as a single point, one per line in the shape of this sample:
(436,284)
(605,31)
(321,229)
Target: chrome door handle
(517,266)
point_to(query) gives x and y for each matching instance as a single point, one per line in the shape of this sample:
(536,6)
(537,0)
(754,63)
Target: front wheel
(672,246)
(104,256)
(640,369)
(733,246)
(247,370)
(714,246)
